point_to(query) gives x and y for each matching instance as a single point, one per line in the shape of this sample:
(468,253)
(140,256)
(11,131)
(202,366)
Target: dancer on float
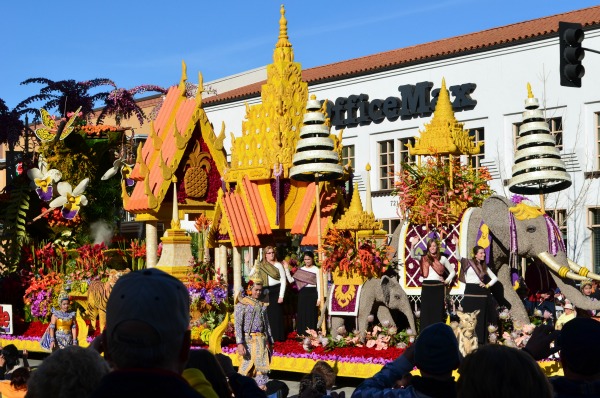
(478,279)
(253,335)
(271,272)
(62,331)
(437,273)
(309,294)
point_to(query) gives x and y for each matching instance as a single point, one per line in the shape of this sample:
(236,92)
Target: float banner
(6,316)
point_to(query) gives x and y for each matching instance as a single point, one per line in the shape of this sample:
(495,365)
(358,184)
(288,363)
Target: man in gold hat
(253,334)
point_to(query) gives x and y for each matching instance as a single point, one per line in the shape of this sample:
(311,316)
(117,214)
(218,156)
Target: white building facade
(487,73)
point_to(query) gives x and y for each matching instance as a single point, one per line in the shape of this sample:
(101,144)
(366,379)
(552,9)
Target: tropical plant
(11,125)
(65,96)
(14,221)
(121,104)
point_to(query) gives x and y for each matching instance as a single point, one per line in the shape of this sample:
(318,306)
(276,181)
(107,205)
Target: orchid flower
(42,179)
(70,199)
(120,164)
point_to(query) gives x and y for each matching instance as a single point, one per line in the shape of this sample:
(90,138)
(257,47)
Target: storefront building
(383,100)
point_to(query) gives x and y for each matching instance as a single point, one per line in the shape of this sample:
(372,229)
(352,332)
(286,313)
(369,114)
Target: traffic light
(571,54)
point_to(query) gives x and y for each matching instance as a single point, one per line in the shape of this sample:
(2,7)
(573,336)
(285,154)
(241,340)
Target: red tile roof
(329,202)
(240,231)
(255,203)
(183,110)
(302,218)
(536,29)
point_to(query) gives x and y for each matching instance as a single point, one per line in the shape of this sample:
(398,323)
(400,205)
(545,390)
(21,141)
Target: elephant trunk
(583,271)
(517,309)
(561,277)
(561,270)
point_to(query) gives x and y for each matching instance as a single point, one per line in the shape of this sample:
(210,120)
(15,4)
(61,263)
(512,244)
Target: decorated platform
(353,364)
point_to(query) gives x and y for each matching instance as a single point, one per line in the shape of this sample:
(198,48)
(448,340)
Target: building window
(348,155)
(556,129)
(478,137)
(560,216)
(404,155)
(390,225)
(386,164)
(594,225)
(598,141)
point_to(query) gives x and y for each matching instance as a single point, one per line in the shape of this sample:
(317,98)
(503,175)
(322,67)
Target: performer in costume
(62,330)
(272,273)
(437,273)
(253,335)
(309,294)
(478,279)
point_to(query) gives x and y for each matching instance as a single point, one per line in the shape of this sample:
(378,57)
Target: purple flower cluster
(214,296)
(39,304)
(516,199)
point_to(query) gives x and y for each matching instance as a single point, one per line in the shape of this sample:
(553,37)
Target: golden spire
(444,134)
(356,218)
(443,108)
(529,91)
(283,48)
(271,129)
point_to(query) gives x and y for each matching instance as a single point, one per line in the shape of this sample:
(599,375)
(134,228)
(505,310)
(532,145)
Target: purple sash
(303,278)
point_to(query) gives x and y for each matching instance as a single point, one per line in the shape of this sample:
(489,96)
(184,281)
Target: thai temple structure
(184,159)
(261,205)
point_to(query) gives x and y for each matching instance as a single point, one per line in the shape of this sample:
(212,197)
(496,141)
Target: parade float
(275,190)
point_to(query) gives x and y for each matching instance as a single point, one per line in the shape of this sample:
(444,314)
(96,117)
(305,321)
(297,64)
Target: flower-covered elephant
(377,297)
(516,228)
(509,229)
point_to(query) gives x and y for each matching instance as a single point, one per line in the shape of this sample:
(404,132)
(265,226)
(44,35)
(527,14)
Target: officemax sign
(415,101)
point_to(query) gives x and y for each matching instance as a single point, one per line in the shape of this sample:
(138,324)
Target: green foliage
(14,223)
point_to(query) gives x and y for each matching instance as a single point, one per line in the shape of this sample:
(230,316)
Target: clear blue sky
(137,42)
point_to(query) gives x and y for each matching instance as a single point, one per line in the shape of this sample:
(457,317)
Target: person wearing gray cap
(147,337)
(435,354)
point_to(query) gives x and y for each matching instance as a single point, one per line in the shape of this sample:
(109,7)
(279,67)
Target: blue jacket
(381,385)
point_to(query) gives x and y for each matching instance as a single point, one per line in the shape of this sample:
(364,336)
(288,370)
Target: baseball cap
(152,298)
(568,306)
(436,349)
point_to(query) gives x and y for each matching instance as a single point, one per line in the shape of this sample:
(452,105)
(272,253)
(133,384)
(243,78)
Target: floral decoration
(341,255)
(438,191)
(70,199)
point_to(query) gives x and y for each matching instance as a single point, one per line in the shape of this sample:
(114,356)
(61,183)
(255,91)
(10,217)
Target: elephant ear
(386,289)
(495,214)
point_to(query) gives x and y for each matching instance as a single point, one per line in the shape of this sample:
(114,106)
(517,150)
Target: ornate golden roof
(444,134)
(271,129)
(355,218)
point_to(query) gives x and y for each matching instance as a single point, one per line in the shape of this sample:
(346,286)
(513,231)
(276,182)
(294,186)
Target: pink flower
(528,329)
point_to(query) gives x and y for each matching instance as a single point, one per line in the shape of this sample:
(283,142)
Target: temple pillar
(222,267)
(151,243)
(237,269)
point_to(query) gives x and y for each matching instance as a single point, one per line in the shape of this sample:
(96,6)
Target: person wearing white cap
(147,337)
(568,315)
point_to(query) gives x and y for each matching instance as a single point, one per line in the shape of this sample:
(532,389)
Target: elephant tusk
(583,271)
(561,270)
